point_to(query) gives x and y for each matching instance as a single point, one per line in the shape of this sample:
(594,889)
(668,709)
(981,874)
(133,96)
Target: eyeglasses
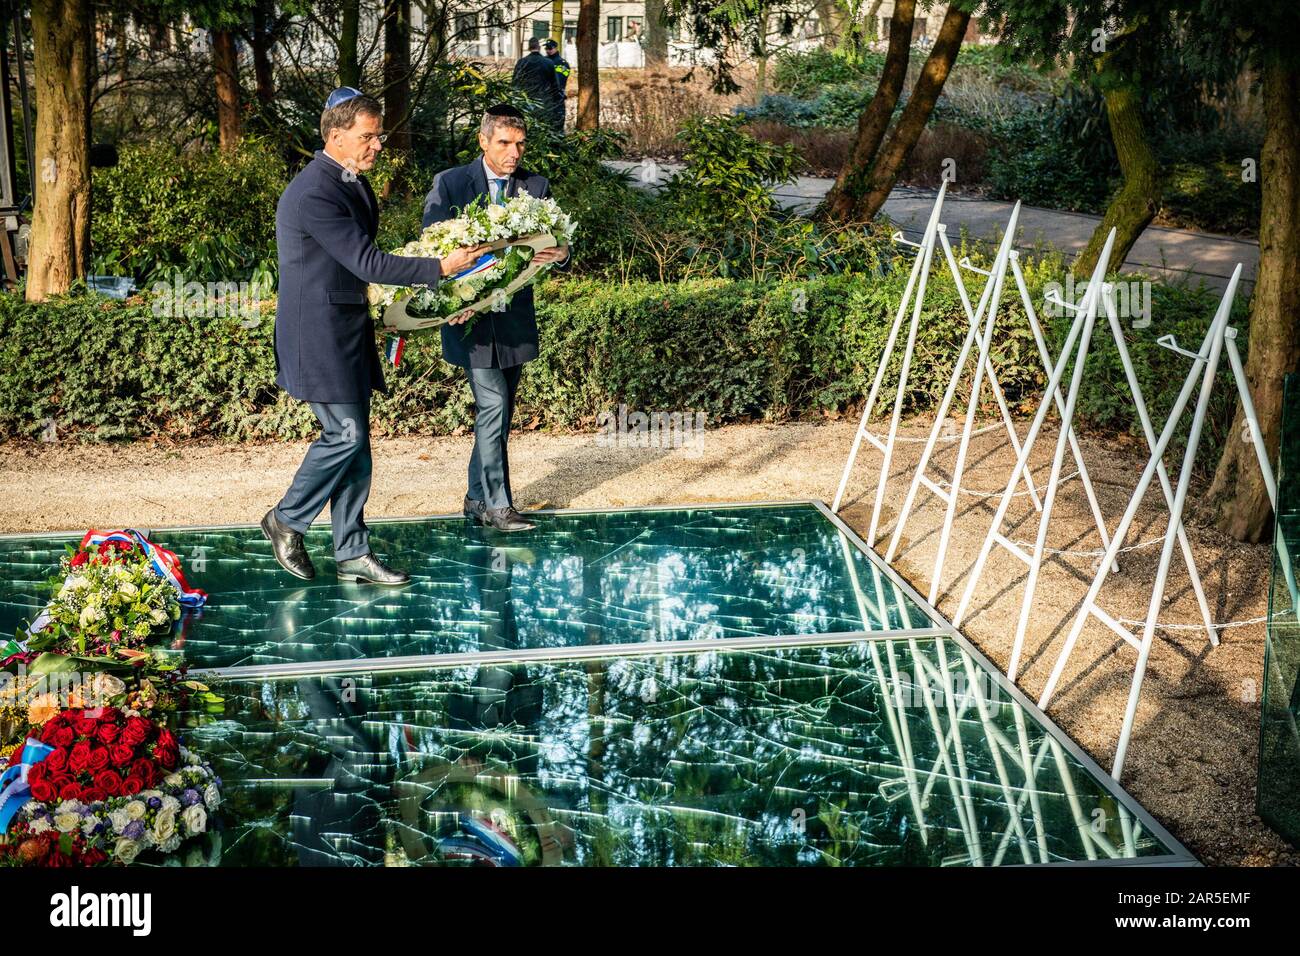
(369,138)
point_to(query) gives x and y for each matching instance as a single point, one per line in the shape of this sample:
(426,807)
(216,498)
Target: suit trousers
(489,465)
(336,470)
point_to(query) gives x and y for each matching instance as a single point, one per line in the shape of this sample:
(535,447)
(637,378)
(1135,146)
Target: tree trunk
(588,64)
(225,64)
(893,155)
(263,41)
(397,73)
(656,34)
(1274,347)
(557,23)
(349,29)
(62,34)
(830,17)
(1138,200)
(849,185)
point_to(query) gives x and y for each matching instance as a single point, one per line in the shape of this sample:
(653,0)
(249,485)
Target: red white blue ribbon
(165,563)
(396,346)
(14,791)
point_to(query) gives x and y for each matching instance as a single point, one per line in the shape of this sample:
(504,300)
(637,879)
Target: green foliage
(736,350)
(206,214)
(1058,155)
(729,174)
(805,73)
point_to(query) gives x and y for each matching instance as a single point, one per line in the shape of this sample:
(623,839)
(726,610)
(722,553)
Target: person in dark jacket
(535,75)
(562,72)
(325,352)
(494,349)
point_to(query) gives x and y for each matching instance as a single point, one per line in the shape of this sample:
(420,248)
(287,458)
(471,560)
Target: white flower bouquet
(514,231)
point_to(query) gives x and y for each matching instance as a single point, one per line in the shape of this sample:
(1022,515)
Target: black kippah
(504,109)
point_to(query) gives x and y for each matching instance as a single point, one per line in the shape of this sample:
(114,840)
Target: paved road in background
(1173,254)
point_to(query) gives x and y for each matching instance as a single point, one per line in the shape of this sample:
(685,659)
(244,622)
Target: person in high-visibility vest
(562,71)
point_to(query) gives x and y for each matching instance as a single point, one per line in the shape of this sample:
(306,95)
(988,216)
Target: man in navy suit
(494,349)
(325,352)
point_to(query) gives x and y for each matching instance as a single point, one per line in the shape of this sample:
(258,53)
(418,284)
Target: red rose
(62,737)
(60,780)
(91,794)
(42,790)
(107,733)
(85,726)
(70,791)
(98,759)
(56,761)
(39,771)
(167,756)
(166,738)
(109,782)
(131,786)
(135,732)
(79,757)
(145,770)
(120,754)
(110,715)
(78,559)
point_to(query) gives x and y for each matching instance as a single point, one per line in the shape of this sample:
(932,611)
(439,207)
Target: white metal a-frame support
(1081,330)
(1205,364)
(935,233)
(1006,257)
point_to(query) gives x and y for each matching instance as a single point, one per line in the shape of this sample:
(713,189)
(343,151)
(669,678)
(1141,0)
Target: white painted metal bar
(920,267)
(1202,371)
(1080,332)
(1171,535)
(1162,474)
(1045,356)
(963,447)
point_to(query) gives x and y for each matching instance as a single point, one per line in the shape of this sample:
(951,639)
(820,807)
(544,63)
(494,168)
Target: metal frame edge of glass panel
(1180,856)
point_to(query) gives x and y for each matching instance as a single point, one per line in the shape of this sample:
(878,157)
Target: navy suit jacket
(494,339)
(325,348)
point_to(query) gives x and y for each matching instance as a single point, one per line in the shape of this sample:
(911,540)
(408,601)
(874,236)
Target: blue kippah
(341,95)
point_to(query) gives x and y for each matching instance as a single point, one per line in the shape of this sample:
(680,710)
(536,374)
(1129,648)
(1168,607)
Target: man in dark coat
(562,71)
(494,349)
(535,75)
(325,351)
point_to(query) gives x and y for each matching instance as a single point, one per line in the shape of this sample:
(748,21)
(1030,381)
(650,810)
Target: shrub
(735,350)
(207,214)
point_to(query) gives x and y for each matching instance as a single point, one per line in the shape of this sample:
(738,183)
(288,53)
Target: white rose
(89,615)
(67,822)
(164,826)
(159,615)
(195,818)
(136,809)
(128,590)
(172,780)
(126,850)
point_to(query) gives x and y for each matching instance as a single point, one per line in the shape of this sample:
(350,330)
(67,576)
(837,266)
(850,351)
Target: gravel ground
(1192,759)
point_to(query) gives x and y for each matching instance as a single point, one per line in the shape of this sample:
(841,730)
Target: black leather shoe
(474,509)
(288,548)
(506,519)
(368,569)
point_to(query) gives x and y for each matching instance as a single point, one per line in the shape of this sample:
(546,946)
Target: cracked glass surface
(588,578)
(884,752)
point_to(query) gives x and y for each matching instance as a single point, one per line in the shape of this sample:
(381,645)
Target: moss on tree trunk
(1138,200)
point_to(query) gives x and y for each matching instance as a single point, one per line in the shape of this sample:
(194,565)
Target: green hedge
(737,351)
